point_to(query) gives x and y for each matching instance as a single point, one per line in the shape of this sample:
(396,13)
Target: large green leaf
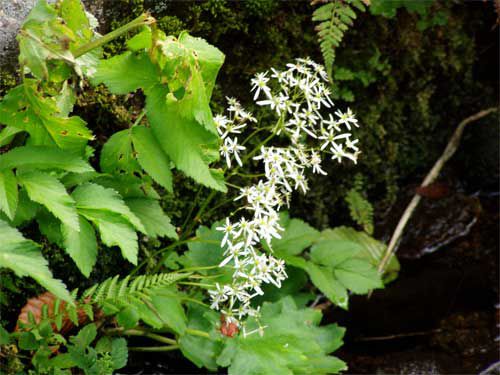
(50,192)
(117,153)
(323,278)
(358,275)
(291,343)
(25,259)
(138,69)
(298,236)
(114,231)
(156,222)
(182,139)
(81,246)
(26,109)
(43,157)
(94,197)
(200,350)
(371,249)
(8,193)
(151,157)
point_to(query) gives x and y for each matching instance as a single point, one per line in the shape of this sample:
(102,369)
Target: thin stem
(142,20)
(202,285)
(142,333)
(153,348)
(196,332)
(139,118)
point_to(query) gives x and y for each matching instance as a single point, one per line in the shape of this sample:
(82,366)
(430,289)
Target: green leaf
(170,310)
(324,279)
(25,259)
(372,249)
(151,157)
(8,193)
(136,67)
(4,336)
(200,350)
(85,336)
(128,317)
(7,134)
(117,154)
(48,191)
(209,58)
(50,226)
(114,231)
(25,109)
(183,140)
(42,157)
(291,343)
(141,40)
(358,275)
(332,253)
(96,197)
(27,341)
(119,353)
(26,211)
(81,246)
(297,236)
(156,222)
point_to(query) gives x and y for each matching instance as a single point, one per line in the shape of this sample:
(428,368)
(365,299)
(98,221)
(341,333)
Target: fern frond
(335,18)
(360,208)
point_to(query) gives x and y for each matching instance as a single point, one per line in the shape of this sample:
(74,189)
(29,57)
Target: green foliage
(334,19)
(291,343)
(360,208)
(24,258)
(335,263)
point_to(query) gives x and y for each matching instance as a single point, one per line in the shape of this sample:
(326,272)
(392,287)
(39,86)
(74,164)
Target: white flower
(228,229)
(260,83)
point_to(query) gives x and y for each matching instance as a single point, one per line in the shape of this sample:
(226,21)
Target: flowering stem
(196,332)
(143,19)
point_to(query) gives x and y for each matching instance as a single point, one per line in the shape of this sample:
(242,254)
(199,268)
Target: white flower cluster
(296,95)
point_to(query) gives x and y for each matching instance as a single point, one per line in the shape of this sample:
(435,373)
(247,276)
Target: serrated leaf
(292,343)
(117,153)
(49,192)
(96,197)
(25,259)
(137,67)
(81,246)
(298,235)
(358,275)
(169,308)
(119,353)
(114,231)
(183,140)
(156,222)
(49,226)
(332,253)
(43,157)
(8,193)
(324,279)
(151,157)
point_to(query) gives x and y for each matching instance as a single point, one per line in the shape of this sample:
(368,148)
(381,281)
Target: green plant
(335,17)
(85,199)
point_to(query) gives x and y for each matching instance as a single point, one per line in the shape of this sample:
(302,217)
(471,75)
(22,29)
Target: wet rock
(434,224)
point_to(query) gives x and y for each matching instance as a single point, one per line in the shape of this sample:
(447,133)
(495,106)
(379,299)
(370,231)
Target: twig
(450,149)
(399,335)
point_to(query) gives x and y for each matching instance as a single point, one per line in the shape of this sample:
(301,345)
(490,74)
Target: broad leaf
(151,157)
(8,193)
(96,197)
(324,279)
(25,259)
(49,192)
(81,246)
(119,353)
(297,236)
(291,343)
(117,154)
(42,157)
(156,222)
(358,275)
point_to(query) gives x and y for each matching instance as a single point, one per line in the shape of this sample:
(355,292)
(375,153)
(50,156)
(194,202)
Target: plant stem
(153,348)
(141,333)
(196,332)
(142,20)
(139,118)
